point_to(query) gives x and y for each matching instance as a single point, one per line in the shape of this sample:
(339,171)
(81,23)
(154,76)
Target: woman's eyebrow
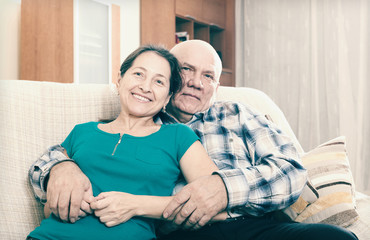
(145,70)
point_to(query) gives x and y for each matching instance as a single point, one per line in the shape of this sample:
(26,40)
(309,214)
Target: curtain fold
(312,57)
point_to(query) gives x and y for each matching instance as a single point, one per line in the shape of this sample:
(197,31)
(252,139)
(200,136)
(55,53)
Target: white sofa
(36,115)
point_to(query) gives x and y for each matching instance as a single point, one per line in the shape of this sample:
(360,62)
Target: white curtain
(312,57)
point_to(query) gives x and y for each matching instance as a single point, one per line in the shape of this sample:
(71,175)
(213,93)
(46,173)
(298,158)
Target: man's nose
(196,81)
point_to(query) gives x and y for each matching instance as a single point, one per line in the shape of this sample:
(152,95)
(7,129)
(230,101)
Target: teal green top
(146,165)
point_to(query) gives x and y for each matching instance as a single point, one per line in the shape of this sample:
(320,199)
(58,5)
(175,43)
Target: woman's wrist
(151,206)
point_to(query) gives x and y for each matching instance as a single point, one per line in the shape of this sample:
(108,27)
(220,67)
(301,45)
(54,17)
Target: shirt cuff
(45,171)
(237,187)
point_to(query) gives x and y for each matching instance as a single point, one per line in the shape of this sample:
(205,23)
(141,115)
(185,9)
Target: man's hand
(198,202)
(67,188)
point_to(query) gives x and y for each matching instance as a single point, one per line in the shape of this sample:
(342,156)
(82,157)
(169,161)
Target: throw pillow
(330,174)
(309,195)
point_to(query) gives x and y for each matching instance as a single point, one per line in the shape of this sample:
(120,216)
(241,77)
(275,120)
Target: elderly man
(259,169)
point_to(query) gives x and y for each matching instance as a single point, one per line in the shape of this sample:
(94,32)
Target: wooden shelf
(210,20)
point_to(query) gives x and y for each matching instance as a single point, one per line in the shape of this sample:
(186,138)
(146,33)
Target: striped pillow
(309,195)
(330,174)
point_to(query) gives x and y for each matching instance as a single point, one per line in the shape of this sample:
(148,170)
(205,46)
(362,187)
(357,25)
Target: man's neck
(178,115)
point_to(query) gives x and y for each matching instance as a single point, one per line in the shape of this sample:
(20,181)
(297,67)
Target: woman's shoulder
(178,128)
(85,126)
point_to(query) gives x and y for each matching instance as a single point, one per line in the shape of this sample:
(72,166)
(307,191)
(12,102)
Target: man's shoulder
(223,104)
(231,107)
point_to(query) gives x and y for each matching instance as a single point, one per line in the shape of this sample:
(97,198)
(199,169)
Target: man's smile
(191,95)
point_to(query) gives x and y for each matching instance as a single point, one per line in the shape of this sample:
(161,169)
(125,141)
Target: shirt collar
(166,118)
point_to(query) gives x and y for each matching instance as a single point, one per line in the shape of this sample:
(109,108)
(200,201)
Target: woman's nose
(146,86)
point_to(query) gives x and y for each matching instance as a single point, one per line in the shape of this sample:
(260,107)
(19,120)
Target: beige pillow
(309,195)
(330,174)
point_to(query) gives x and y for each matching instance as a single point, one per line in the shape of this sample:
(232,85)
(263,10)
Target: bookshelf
(210,20)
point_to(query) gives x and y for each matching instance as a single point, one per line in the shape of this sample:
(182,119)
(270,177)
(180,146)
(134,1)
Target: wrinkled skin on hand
(69,192)
(197,203)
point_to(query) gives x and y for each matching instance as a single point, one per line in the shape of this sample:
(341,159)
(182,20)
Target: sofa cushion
(34,116)
(330,174)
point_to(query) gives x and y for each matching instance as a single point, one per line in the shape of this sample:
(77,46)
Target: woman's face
(144,88)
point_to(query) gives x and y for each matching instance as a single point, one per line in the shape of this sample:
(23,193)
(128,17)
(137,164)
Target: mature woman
(132,162)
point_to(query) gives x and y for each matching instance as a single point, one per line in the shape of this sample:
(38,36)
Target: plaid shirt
(39,171)
(257,162)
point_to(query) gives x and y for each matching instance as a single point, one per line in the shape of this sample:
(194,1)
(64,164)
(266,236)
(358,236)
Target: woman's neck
(135,126)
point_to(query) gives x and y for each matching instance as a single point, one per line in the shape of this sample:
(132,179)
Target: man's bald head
(198,49)
(201,70)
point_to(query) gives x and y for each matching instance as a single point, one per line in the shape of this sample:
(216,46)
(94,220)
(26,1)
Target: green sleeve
(185,138)
(68,143)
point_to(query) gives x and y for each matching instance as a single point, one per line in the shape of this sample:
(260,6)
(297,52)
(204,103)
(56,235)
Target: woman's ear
(167,100)
(118,80)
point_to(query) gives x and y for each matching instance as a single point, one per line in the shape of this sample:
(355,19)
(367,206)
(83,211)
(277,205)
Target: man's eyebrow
(209,71)
(187,64)
(193,67)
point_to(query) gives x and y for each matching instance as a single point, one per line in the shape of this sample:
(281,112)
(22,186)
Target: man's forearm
(39,171)
(262,189)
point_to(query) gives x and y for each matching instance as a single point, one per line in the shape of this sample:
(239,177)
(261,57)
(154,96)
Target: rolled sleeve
(39,171)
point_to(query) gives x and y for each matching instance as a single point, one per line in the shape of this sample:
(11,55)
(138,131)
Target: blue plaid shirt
(258,163)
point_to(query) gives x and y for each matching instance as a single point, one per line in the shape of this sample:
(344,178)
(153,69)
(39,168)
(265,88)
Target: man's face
(200,82)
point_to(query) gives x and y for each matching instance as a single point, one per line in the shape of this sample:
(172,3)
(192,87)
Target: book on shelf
(181,36)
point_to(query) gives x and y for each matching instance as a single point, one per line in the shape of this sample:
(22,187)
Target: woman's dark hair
(175,78)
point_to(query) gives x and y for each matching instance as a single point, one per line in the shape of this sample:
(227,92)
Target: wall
(130,25)
(9,38)
(10,33)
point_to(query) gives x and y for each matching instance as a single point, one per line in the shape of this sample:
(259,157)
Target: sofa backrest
(36,115)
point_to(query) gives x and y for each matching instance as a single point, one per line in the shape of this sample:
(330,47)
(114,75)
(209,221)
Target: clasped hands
(70,197)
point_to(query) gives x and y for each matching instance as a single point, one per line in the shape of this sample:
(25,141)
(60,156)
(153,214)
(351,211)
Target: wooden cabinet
(211,12)
(48,45)
(214,12)
(47,40)
(191,9)
(209,20)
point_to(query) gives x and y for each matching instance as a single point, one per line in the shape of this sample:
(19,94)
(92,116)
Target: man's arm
(39,171)
(271,178)
(69,190)
(276,176)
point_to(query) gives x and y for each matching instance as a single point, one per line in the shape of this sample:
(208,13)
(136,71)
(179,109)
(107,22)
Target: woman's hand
(113,208)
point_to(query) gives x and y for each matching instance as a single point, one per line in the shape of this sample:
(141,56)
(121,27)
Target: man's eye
(186,68)
(209,76)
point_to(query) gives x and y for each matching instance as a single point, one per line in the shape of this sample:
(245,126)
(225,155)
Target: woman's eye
(160,82)
(139,74)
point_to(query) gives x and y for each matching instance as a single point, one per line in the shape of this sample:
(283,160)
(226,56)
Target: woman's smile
(141,98)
